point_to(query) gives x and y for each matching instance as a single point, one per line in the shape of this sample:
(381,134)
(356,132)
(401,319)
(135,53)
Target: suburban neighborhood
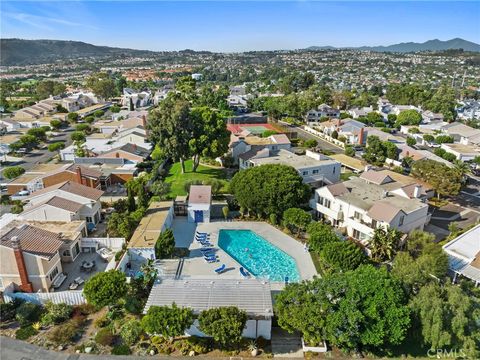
(318,202)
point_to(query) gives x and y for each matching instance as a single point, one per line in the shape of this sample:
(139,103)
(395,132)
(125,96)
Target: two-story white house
(241,143)
(65,201)
(322,111)
(314,168)
(360,205)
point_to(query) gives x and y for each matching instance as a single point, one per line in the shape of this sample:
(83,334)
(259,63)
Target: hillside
(28,52)
(430,45)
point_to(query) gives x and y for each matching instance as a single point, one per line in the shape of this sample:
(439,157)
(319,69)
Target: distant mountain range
(29,52)
(430,45)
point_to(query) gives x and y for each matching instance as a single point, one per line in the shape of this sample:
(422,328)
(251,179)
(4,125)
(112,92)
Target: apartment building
(375,199)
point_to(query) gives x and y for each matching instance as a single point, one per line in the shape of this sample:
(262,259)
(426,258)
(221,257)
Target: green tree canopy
(171,128)
(167,321)
(445,180)
(102,85)
(224,324)
(408,117)
(448,318)
(384,243)
(296,220)
(13,172)
(45,88)
(269,189)
(105,288)
(343,255)
(56,146)
(72,117)
(165,245)
(55,124)
(209,136)
(319,235)
(354,310)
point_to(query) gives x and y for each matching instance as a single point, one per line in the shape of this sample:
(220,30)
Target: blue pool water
(258,256)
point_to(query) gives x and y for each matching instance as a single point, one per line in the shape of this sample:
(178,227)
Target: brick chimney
(79,175)
(117,155)
(361,136)
(25,285)
(144,124)
(134,147)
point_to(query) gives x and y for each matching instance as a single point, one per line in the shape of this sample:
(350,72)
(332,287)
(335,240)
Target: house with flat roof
(199,203)
(462,152)
(314,168)
(250,295)
(464,255)
(373,200)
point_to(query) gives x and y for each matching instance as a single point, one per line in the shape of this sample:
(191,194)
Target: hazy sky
(238,26)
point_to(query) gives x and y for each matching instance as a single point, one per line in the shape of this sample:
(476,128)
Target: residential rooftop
(151,225)
(252,296)
(286,157)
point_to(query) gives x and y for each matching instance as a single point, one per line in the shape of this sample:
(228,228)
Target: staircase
(286,345)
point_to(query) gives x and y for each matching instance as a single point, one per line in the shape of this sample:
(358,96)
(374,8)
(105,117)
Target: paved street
(40,156)
(11,349)
(325,145)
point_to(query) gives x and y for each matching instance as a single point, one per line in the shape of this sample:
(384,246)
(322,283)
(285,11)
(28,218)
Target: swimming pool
(261,258)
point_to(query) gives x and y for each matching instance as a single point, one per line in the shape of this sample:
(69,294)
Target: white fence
(324,136)
(72,297)
(112,243)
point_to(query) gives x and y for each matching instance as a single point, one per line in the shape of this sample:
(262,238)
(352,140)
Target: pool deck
(195,266)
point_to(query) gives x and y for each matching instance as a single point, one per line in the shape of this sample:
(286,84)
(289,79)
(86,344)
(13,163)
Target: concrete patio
(73,270)
(195,266)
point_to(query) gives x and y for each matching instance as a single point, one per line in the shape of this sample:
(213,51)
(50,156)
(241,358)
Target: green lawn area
(346,175)
(177,180)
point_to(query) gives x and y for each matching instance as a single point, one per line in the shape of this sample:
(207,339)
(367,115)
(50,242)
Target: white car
(23,193)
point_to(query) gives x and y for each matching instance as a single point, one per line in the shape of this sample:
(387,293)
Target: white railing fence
(71,297)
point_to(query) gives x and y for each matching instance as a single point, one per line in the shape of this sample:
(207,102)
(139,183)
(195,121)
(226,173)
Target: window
(76,249)
(334,169)
(327,203)
(53,273)
(357,215)
(374,224)
(89,219)
(320,200)
(66,253)
(305,173)
(315,172)
(402,219)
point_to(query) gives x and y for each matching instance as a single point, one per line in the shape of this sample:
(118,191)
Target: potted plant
(252,347)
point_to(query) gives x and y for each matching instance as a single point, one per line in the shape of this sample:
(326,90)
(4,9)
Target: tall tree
(384,244)
(209,137)
(171,127)
(102,85)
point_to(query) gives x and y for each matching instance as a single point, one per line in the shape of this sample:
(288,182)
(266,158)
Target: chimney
(416,191)
(25,285)
(134,147)
(361,136)
(79,175)
(117,155)
(339,122)
(144,123)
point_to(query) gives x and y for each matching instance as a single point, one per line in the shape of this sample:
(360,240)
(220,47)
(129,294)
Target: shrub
(121,350)
(98,113)
(56,313)
(8,310)
(25,332)
(13,172)
(105,288)
(224,324)
(102,322)
(63,334)
(273,219)
(311,143)
(85,309)
(169,321)
(165,245)
(199,345)
(131,331)
(133,305)
(104,337)
(28,313)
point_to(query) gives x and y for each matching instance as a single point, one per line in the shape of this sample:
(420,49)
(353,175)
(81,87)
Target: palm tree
(384,244)
(461,168)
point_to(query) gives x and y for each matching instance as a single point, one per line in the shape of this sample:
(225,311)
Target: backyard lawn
(177,180)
